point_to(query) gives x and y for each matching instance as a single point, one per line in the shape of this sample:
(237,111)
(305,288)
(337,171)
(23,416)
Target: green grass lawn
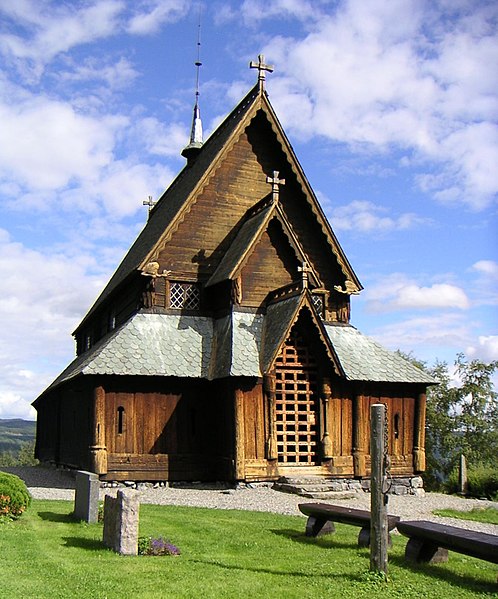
(488,515)
(224,554)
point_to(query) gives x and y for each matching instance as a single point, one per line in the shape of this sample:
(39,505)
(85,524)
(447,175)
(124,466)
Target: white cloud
(486,348)
(46,144)
(398,292)
(363,216)
(42,298)
(487,267)
(114,75)
(151,14)
(404,75)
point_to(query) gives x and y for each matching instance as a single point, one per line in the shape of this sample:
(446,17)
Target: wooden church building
(221,348)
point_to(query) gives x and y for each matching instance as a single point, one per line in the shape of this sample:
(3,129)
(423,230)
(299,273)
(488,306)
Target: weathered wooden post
(463,485)
(378,500)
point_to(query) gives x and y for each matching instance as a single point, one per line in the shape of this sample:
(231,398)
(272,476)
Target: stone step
(325,490)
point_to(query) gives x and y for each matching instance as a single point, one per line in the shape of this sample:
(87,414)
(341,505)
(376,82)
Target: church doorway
(296,404)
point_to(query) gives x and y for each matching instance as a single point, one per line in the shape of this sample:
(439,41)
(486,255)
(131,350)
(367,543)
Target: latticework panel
(296,405)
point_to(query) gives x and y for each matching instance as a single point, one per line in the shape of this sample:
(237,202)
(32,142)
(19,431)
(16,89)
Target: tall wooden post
(378,509)
(270,390)
(419,434)
(360,436)
(326,442)
(98,449)
(239,435)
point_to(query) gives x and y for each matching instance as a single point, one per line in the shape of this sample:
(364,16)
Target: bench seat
(321,517)
(430,542)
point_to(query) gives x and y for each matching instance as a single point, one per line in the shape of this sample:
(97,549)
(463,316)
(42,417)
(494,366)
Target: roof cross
(275,182)
(262,67)
(150,203)
(304,270)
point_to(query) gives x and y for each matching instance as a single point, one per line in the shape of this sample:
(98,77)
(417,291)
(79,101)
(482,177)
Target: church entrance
(296,403)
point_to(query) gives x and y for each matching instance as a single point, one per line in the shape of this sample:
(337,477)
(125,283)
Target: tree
(461,419)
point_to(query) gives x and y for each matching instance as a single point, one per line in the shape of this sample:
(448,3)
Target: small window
(88,342)
(121,411)
(184,296)
(396,426)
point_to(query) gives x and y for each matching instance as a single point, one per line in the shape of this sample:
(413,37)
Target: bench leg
(318,526)
(418,550)
(364,538)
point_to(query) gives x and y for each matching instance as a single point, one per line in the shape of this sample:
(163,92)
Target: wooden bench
(430,542)
(321,517)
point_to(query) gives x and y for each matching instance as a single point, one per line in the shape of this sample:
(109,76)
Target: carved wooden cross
(262,67)
(304,270)
(275,182)
(150,203)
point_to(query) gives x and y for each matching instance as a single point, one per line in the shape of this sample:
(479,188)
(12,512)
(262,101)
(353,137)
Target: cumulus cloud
(399,292)
(43,297)
(150,15)
(404,75)
(364,216)
(486,348)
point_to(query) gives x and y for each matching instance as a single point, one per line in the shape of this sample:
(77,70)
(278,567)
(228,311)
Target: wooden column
(240,439)
(326,442)
(419,434)
(360,438)
(98,449)
(270,387)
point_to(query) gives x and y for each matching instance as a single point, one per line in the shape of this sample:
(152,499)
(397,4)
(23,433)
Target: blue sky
(391,108)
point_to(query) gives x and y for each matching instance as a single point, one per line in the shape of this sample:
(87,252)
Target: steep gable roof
(248,236)
(177,199)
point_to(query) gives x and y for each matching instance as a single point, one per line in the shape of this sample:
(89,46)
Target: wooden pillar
(326,442)
(240,441)
(270,391)
(98,449)
(360,438)
(419,434)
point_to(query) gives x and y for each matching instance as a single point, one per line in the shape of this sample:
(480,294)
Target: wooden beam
(269,386)
(360,441)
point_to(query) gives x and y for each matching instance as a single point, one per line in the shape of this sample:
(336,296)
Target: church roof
(177,199)
(239,344)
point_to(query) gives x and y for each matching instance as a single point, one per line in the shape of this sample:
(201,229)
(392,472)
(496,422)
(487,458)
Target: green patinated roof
(363,359)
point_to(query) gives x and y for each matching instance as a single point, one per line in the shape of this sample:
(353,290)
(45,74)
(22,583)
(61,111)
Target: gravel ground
(45,483)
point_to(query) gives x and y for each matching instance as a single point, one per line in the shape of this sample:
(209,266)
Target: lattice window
(318,302)
(296,404)
(184,296)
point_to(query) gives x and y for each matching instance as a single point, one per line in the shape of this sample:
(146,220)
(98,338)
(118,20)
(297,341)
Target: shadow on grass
(56,517)
(82,543)
(328,541)
(273,572)
(440,572)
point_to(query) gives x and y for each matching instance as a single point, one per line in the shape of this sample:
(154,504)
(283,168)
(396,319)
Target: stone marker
(86,498)
(121,522)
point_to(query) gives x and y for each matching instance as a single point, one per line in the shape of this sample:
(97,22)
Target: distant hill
(15,431)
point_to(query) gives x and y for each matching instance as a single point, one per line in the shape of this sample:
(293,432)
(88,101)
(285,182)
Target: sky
(390,106)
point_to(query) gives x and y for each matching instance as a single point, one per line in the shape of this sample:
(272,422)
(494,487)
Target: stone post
(86,498)
(121,522)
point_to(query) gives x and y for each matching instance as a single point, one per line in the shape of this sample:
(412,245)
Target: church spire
(195,143)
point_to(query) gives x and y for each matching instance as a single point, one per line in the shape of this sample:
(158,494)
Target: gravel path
(44,483)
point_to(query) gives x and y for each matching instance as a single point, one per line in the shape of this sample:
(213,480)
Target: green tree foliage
(25,456)
(461,419)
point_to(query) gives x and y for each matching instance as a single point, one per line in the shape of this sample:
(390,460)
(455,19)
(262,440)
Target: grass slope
(225,554)
(14,432)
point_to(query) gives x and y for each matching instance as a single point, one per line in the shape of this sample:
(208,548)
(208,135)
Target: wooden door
(296,404)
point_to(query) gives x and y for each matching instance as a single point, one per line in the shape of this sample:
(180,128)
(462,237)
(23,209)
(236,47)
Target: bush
(482,481)
(14,496)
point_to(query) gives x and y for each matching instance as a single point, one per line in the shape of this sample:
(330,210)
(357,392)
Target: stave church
(221,349)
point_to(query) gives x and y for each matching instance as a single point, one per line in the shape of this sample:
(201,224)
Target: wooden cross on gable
(150,203)
(275,182)
(262,67)
(305,270)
